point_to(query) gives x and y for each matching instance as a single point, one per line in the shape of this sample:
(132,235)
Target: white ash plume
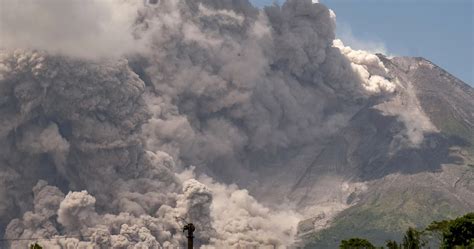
(240,221)
(369,67)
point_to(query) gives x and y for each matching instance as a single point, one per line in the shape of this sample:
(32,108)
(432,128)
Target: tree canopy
(457,234)
(356,243)
(35,246)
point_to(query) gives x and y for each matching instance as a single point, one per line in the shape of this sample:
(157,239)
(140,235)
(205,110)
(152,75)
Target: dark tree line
(448,234)
(35,246)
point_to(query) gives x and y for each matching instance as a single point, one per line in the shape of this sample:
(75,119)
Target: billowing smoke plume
(240,82)
(87,29)
(76,125)
(222,86)
(241,222)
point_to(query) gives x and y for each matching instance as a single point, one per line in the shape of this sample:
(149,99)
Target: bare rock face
(443,97)
(406,185)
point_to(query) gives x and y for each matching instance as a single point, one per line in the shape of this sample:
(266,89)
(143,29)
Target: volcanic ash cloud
(99,120)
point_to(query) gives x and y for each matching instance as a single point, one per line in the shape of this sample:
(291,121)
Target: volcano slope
(414,186)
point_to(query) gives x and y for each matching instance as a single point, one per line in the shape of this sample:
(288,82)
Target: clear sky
(441,31)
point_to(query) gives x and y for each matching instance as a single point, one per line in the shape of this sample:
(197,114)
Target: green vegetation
(412,239)
(452,126)
(35,246)
(448,234)
(391,244)
(457,233)
(386,213)
(386,216)
(356,243)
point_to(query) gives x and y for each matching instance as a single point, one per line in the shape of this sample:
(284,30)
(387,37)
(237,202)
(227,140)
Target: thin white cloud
(344,33)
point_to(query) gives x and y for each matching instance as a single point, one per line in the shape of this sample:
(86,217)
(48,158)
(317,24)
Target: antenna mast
(190,228)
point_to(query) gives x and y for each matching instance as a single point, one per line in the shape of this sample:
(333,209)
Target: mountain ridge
(393,203)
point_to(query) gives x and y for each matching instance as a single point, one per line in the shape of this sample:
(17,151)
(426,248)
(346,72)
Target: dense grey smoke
(219,84)
(76,124)
(238,83)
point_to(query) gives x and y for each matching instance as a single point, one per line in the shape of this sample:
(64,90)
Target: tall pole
(190,227)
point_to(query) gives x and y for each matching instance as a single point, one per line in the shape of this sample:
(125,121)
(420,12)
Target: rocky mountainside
(412,186)
(445,99)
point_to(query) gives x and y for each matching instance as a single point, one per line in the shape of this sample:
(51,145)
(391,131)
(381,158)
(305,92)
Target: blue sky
(441,31)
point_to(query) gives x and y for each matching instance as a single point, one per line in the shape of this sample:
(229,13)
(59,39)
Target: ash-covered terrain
(256,125)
